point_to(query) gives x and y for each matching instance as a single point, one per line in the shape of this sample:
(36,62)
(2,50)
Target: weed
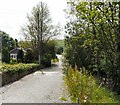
(83,88)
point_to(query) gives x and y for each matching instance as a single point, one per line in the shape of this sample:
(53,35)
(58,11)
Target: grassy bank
(84,88)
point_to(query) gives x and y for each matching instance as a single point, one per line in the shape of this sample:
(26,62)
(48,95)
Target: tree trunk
(97,58)
(38,32)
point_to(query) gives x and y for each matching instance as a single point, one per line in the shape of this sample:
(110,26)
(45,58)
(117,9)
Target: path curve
(37,88)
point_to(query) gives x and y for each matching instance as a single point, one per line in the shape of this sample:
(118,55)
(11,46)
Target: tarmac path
(37,87)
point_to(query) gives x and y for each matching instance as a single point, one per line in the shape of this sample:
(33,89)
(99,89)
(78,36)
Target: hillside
(60,43)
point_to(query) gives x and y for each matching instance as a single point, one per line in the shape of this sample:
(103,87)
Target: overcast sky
(13,14)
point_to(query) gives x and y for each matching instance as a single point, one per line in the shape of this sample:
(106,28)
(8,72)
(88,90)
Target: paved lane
(37,88)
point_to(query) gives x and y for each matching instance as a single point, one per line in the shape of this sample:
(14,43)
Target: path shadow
(54,65)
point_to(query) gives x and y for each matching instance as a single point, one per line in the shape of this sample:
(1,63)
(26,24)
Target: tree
(29,57)
(8,43)
(59,50)
(5,55)
(0,48)
(39,28)
(20,55)
(25,44)
(48,53)
(16,43)
(93,30)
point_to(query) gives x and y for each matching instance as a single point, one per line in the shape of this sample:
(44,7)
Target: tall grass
(83,88)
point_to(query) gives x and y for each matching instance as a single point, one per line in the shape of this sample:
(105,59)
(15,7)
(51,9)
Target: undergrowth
(84,88)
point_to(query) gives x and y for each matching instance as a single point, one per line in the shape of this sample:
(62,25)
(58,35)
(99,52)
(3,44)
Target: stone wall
(10,77)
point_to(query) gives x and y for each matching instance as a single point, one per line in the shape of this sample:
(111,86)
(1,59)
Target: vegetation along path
(46,87)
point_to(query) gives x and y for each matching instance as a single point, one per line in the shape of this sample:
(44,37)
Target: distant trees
(7,41)
(20,56)
(39,29)
(8,44)
(93,39)
(5,55)
(25,44)
(16,43)
(29,57)
(59,50)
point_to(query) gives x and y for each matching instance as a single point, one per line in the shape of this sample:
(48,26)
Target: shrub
(29,57)
(55,59)
(46,60)
(59,50)
(13,68)
(5,55)
(20,56)
(13,60)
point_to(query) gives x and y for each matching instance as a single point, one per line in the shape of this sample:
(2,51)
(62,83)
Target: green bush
(13,60)
(29,56)
(20,56)
(46,60)
(5,55)
(59,50)
(55,59)
(84,88)
(13,68)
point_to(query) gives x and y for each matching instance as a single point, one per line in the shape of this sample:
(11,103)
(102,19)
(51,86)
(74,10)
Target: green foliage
(93,39)
(39,31)
(16,43)
(59,43)
(59,50)
(7,41)
(63,98)
(17,67)
(25,44)
(48,53)
(5,55)
(84,88)
(29,57)
(20,56)
(13,60)
(75,54)
(8,44)
(46,60)
(50,48)
(31,54)
(55,59)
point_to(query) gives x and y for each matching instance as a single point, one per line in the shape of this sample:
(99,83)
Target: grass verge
(84,88)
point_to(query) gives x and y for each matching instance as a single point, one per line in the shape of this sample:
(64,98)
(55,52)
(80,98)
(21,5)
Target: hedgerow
(17,67)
